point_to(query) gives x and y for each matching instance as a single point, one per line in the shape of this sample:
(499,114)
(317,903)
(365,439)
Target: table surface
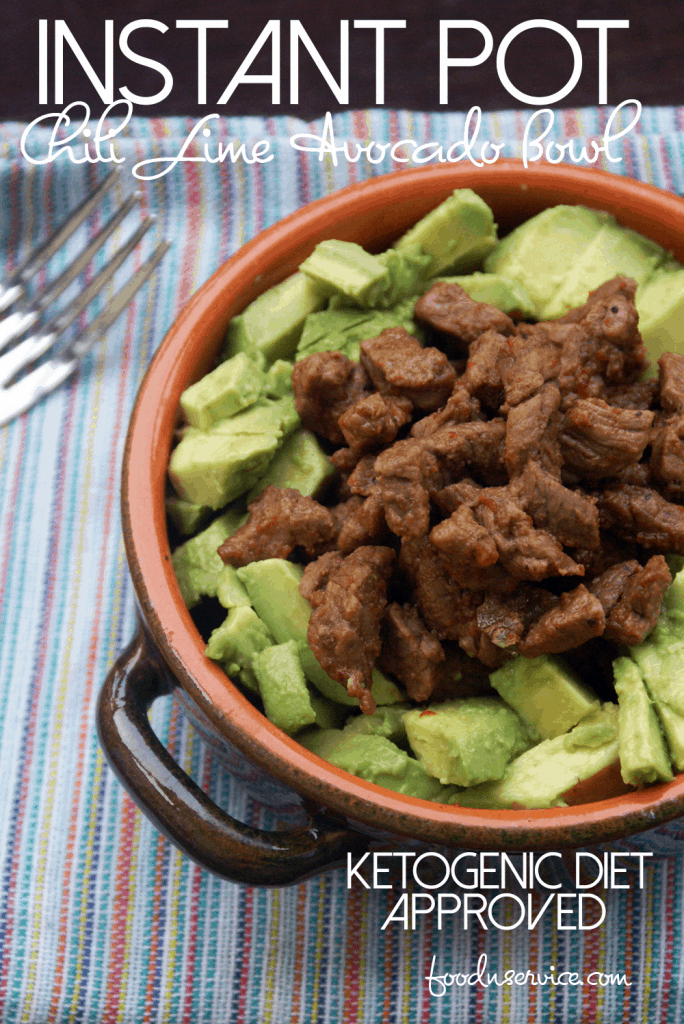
(644,61)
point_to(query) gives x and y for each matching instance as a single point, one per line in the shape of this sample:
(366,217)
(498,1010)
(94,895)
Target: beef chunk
(641,395)
(506,619)
(366,525)
(317,576)
(476,448)
(666,464)
(570,516)
(631,597)
(469,553)
(532,432)
(374,420)
(344,629)
(450,498)
(600,440)
(671,381)
(536,359)
(641,515)
(399,366)
(280,520)
(325,385)
(406,474)
(450,310)
(488,360)
(578,616)
(460,408)
(410,652)
(362,480)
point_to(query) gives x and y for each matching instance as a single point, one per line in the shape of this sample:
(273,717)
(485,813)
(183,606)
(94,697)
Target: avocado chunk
(234,643)
(375,759)
(300,463)
(540,253)
(467,740)
(229,590)
(278,380)
(273,588)
(458,234)
(503,292)
(186,516)
(346,268)
(541,775)
(215,466)
(387,721)
(643,755)
(660,302)
(545,693)
(341,329)
(283,687)
(196,563)
(329,714)
(269,328)
(660,658)
(234,385)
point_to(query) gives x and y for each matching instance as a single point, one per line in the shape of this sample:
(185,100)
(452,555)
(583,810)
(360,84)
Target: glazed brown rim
(374,213)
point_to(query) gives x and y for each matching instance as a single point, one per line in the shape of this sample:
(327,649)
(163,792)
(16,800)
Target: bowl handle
(182,811)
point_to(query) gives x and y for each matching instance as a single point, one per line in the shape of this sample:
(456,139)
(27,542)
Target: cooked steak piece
(450,310)
(460,408)
(410,652)
(666,464)
(374,421)
(325,385)
(473,448)
(280,519)
(399,366)
(406,474)
(600,440)
(532,432)
(576,617)
(536,359)
(642,515)
(631,596)
(568,515)
(344,628)
(366,525)
(671,381)
(641,395)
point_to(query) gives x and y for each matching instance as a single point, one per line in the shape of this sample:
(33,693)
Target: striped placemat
(101,920)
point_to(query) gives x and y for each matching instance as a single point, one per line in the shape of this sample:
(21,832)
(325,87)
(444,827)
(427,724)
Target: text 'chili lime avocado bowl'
(169,652)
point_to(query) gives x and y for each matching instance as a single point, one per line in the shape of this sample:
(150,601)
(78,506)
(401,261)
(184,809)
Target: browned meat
(406,474)
(344,628)
(532,432)
(468,552)
(450,498)
(631,596)
(600,440)
(666,464)
(488,360)
(449,309)
(570,516)
(671,381)
(325,385)
(577,617)
(476,448)
(460,408)
(641,515)
(399,366)
(505,619)
(280,520)
(317,576)
(641,395)
(362,480)
(366,525)
(374,420)
(536,359)
(410,652)
(610,551)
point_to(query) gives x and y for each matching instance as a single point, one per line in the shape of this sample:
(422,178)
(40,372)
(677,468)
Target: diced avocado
(540,776)
(300,463)
(346,268)
(283,687)
(269,328)
(387,721)
(319,326)
(278,381)
(466,741)
(196,564)
(211,467)
(613,250)
(545,693)
(541,252)
(660,658)
(660,302)
(273,588)
(503,292)
(187,517)
(458,234)
(341,329)
(407,274)
(234,643)
(329,714)
(231,387)
(643,755)
(229,590)
(375,759)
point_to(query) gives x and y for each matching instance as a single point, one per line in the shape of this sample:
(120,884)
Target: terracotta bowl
(344,813)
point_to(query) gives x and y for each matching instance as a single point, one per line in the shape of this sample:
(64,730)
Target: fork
(24,312)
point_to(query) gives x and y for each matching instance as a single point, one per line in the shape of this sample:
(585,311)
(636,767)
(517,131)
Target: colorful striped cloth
(101,920)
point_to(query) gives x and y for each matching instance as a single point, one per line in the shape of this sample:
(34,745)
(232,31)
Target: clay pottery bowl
(339,813)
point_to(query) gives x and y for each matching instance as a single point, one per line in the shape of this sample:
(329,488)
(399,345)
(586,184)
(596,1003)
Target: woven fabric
(101,919)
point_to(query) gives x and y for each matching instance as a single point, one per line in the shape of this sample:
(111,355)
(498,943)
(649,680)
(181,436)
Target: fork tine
(50,375)
(38,257)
